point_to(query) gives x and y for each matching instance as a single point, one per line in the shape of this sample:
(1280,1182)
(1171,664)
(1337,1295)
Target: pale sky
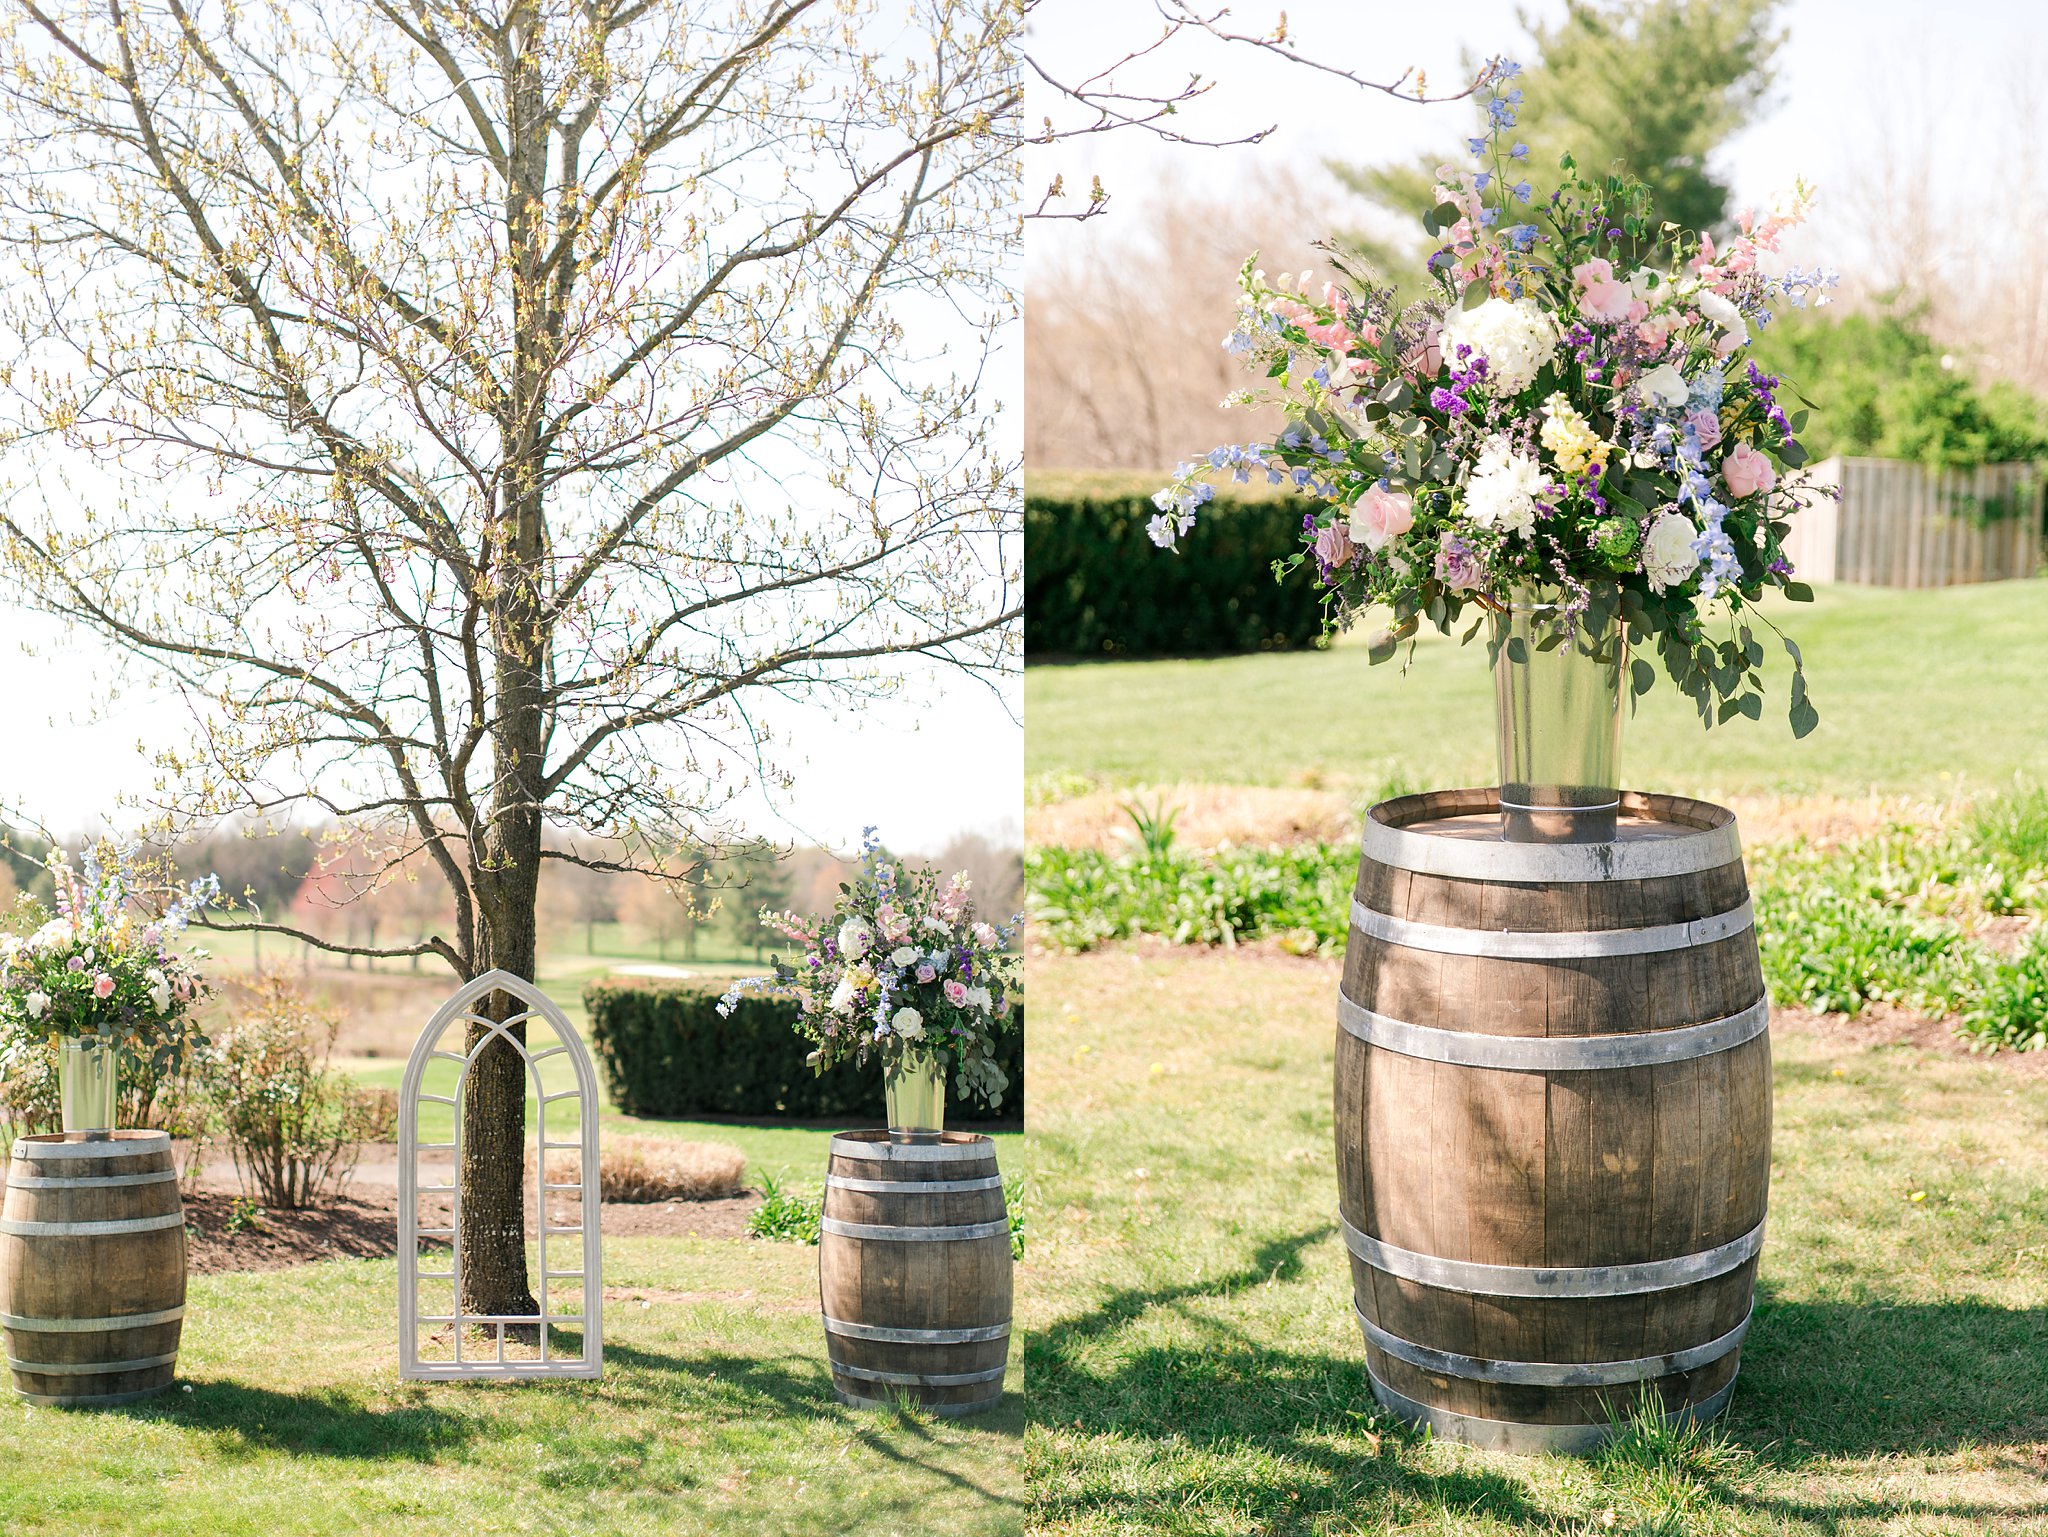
(1847,66)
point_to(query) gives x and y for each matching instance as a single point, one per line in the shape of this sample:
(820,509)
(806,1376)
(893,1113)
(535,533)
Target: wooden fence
(1901,525)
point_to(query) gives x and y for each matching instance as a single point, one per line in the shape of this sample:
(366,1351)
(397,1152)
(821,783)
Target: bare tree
(1150,89)
(482,409)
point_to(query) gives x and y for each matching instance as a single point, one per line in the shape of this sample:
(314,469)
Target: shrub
(296,1127)
(1080,898)
(655,1169)
(1096,586)
(667,1053)
(785,1215)
(2010,1008)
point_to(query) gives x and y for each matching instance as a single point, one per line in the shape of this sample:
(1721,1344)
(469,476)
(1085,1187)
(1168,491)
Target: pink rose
(1600,295)
(925,973)
(1382,515)
(956,992)
(1333,546)
(103,986)
(1706,426)
(76,963)
(1747,472)
(1456,566)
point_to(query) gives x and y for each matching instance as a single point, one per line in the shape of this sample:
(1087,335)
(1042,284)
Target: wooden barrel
(92,1267)
(914,1272)
(1553,1115)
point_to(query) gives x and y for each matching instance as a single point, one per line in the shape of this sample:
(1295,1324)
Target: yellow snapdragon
(1570,437)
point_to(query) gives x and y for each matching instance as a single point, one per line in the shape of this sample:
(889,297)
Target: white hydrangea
(1514,336)
(1503,489)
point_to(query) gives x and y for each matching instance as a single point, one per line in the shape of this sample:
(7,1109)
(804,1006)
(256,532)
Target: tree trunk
(494,1273)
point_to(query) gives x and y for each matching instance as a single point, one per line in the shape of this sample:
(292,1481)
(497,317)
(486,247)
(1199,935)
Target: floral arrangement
(103,965)
(902,967)
(1570,409)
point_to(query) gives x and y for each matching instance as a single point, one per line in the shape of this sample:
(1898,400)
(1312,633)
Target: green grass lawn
(1914,689)
(1195,1366)
(715,1416)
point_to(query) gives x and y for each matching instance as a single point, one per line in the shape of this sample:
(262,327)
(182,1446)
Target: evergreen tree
(1650,86)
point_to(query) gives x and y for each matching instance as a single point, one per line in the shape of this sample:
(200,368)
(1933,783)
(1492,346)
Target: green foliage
(1651,86)
(1891,918)
(296,1126)
(785,1215)
(1095,585)
(1880,390)
(667,1052)
(1080,898)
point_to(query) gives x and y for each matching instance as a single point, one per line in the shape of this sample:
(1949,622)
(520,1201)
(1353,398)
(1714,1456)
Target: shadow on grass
(312,1424)
(1218,1419)
(1279,1436)
(1878,1378)
(794,1386)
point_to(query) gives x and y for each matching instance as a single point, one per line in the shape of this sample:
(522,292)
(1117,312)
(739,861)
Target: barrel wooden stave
(1552,1169)
(54,1286)
(911,1285)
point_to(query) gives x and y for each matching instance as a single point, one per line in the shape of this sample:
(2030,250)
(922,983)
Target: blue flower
(1522,191)
(1476,146)
(1479,182)
(1519,152)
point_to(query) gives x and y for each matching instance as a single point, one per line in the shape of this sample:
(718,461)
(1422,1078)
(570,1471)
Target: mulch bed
(363,1224)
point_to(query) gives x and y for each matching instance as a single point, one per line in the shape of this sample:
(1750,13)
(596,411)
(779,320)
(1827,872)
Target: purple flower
(1457,567)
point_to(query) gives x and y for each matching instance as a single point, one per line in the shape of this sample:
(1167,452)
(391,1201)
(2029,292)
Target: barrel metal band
(912,1186)
(1549,1374)
(125,1144)
(90,1368)
(92,1325)
(1514,1436)
(920,1379)
(911,1152)
(890,1231)
(19,1228)
(1556,944)
(1685,851)
(1553,1053)
(1552,1281)
(969,1336)
(90,1181)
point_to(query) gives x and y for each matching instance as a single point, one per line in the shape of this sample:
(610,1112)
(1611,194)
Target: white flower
(159,990)
(38,1005)
(1513,335)
(1668,556)
(909,1024)
(981,998)
(55,934)
(856,938)
(1734,329)
(1664,386)
(985,935)
(842,996)
(1503,489)
(903,955)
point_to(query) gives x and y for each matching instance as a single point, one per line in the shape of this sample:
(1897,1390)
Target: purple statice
(1449,401)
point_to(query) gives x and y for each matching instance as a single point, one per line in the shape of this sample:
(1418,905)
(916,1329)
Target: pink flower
(925,973)
(985,935)
(956,992)
(76,963)
(1382,515)
(1653,333)
(893,922)
(1707,426)
(1336,336)
(1600,295)
(1427,360)
(1456,566)
(103,986)
(1333,546)
(1747,472)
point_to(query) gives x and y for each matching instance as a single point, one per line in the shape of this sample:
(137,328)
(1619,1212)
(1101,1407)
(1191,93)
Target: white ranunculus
(842,996)
(981,998)
(1668,557)
(1514,336)
(1503,489)
(903,955)
(1664,386)
(38,1005)
(856,938)
(909,1024)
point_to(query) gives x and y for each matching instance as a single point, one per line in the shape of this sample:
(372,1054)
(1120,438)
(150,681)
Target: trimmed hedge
(666,1052)
(1096,586)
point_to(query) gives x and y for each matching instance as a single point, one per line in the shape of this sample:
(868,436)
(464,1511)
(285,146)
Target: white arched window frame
(461,1010)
